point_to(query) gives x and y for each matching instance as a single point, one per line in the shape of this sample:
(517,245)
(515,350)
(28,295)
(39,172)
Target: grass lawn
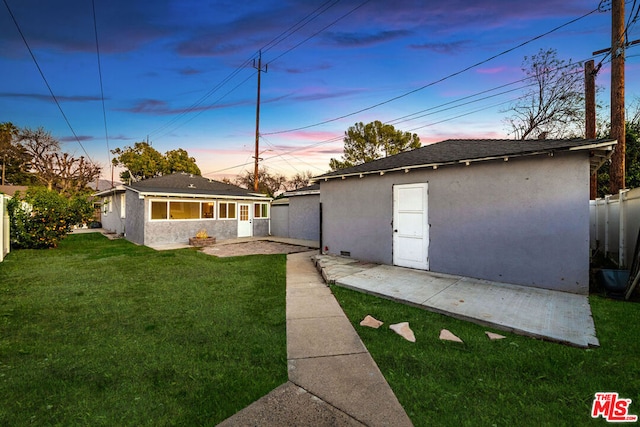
(100,332)
(514,381)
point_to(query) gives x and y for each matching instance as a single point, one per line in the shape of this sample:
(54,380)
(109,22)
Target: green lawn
(100,332)
(515,381)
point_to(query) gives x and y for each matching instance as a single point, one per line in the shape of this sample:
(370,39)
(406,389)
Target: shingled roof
(454,151)
(190,185)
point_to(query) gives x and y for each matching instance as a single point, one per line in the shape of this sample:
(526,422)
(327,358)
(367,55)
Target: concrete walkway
(333,381)
(556,316)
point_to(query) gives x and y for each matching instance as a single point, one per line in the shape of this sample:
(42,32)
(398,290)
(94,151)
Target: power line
(321,30)
(299,25)
(45,81)
(434,82)
(104,110)
(271,44)
(439,109)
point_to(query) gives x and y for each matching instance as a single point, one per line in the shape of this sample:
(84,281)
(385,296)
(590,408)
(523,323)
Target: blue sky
(180,72)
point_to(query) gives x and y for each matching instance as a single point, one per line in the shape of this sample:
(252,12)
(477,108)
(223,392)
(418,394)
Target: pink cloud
(494,70)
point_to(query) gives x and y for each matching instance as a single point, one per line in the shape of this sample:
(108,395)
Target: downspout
(320,213)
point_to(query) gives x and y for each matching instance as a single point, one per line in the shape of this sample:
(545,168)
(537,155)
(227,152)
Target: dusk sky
(180,72)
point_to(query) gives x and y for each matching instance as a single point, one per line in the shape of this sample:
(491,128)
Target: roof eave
(600,146)
(142,194)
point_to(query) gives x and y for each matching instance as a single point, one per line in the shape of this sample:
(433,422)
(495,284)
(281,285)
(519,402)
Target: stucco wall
(525,221)
(280,220)
(112,220)
(304,217)
(143,231)
(135,218)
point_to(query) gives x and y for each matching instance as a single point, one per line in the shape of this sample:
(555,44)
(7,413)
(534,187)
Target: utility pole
(618,44)
(590,116)
(257,154)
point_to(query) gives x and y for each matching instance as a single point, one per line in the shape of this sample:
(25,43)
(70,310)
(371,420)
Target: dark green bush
(41,218)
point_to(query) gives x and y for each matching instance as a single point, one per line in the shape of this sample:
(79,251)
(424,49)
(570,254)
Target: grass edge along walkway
(514,381)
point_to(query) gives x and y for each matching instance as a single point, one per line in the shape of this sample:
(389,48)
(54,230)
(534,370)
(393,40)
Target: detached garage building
(502,210)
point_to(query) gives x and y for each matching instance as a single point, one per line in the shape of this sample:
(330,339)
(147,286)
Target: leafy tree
(553,106)
(365,143)
(14,157)
(179,161)
(632,158)
(142,161)
(43,217)
(51,167)
(268,183)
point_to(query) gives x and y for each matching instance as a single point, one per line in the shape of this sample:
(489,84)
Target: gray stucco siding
(112,220)
(143,230)
(280,220)
(357,216)
(304,217)
(135,218)
(525,221)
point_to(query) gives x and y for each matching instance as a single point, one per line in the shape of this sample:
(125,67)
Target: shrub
(43,217)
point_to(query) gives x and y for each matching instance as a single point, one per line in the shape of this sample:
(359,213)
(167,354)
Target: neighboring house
(298,215)
(11,190)
(112,205)
(503,210)
(170,209)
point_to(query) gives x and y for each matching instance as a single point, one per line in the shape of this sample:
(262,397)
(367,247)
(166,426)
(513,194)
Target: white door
(245,228)
(410,226)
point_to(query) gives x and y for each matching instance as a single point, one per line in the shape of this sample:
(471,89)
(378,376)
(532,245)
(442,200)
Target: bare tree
(299,180)
(54,169)
(268,183)
(553,106)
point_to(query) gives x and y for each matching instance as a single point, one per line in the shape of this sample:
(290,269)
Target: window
(226,210)
(184,210)
(208,209)
(106,205)
(159,210)
(244,212)
(261,210)
(123,210)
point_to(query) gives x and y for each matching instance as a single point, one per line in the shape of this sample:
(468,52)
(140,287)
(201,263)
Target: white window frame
(235,210)
(261,204)
(168,201)
(123,200)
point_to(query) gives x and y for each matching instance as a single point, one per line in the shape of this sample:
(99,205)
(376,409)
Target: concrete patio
(550,315)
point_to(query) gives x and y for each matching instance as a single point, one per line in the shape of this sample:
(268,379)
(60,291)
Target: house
(297,216)
(112,203)
(11,190)
(170,209)
(502,210)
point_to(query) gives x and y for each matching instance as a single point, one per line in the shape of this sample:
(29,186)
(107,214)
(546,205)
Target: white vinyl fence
(615,221)
(4,227)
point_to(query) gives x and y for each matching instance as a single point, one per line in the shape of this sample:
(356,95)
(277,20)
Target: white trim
(200,202)
(235,211)
(261,217)
(606,146)
(143,194)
